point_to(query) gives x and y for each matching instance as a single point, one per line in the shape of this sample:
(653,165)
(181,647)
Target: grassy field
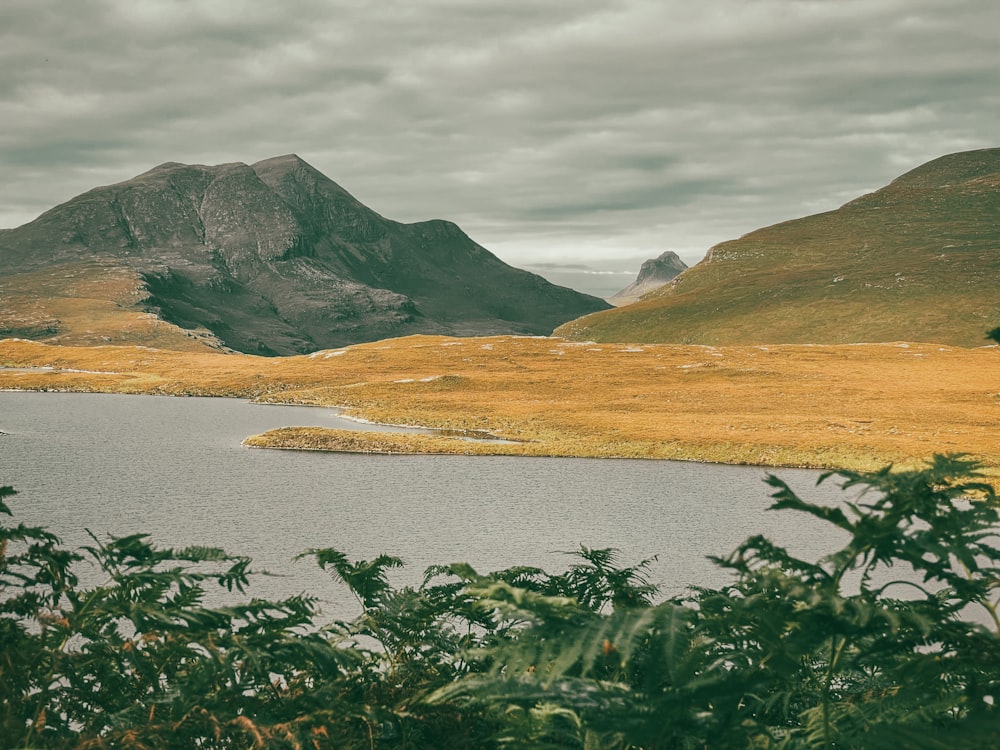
(89,303)
(838,406)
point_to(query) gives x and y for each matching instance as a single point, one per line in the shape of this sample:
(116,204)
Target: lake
(175,468)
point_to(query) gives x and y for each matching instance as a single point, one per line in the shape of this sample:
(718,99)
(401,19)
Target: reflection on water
(175,468)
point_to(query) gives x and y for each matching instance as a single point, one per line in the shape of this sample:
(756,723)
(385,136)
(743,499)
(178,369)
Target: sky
(573,138)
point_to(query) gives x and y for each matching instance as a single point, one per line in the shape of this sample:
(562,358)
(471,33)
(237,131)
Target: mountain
(269,258)
(918,260)
(653,274)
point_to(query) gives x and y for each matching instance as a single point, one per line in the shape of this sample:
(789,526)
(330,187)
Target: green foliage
(994,334)
(139,661)
(892,640)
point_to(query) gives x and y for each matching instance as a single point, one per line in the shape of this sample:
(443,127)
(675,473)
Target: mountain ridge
(277,258)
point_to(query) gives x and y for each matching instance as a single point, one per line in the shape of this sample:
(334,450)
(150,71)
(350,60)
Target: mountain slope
(918,260)
(273,258)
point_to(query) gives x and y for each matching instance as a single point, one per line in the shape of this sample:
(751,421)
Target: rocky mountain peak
(276,258)
(653,274)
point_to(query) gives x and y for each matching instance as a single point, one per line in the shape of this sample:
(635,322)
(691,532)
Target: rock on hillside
(918,260)
(274,258)
(653,274)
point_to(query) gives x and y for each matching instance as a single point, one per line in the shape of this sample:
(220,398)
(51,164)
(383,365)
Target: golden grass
(838,406)
(357,441)
(89,303)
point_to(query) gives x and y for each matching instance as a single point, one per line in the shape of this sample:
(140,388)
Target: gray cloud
(597,132)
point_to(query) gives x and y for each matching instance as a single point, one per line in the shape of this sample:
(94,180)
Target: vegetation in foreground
(891,641)
(857,407)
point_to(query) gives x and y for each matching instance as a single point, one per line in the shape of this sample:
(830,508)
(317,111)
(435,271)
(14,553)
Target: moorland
(838,406)
(747,357)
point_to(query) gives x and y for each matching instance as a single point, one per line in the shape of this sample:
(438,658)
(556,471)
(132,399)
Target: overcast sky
(570,137)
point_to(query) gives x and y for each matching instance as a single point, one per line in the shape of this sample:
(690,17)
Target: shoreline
(856,407)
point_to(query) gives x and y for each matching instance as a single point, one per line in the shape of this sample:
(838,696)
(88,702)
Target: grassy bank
(845,406)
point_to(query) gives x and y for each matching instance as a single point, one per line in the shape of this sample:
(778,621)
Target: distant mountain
(272,258)
(918,260)
(653,274)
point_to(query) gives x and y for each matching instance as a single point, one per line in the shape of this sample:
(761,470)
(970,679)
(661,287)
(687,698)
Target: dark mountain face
(918,260)
(653,274)
(276,258)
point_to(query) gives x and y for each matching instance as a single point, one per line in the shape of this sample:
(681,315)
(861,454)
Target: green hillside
(918,260)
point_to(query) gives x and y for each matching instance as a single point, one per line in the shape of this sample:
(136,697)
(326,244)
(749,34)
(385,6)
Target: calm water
(175,468)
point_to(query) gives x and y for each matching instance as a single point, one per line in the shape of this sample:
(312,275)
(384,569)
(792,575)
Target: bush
(893,640)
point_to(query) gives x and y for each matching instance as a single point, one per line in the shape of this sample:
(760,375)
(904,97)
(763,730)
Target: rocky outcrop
(653,274)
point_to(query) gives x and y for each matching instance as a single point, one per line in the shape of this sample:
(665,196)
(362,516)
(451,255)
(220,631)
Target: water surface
(175,468)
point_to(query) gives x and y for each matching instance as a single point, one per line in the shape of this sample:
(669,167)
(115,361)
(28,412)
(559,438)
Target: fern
(891,641)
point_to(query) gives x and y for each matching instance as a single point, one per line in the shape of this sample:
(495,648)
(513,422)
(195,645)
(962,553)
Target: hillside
(918,260)
(270,258)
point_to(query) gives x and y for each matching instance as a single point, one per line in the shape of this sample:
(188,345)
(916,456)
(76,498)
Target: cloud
(588,130)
